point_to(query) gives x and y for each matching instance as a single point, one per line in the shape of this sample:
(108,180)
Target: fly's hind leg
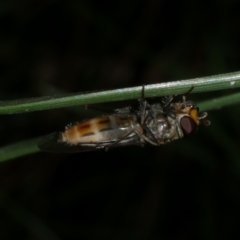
(143,106)
(141,140)
(121,139)
(145,112)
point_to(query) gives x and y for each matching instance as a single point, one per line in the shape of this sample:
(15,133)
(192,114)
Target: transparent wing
(51,143)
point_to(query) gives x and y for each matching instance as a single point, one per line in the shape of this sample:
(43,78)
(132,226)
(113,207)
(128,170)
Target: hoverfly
(155,124)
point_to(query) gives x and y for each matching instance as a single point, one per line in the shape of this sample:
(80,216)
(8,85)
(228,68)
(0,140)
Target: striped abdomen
(102,129)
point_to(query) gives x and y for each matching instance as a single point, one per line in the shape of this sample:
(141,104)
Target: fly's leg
(170,98)
(143,137)
(119,140)
(146,128)
(189,91)
(167,101)
(185,94)
(141,141)
(145,106)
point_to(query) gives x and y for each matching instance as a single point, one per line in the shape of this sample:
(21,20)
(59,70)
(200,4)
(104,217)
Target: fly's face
(188,118)
(152,123)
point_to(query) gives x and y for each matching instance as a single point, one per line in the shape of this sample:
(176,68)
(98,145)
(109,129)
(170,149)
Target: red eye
(188,126)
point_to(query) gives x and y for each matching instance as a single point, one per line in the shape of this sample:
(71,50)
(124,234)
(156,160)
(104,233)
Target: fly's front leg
(170,98)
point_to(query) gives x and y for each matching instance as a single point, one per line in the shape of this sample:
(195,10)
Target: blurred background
(187,189)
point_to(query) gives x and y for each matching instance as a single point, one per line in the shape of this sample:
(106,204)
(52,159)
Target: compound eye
(188,125)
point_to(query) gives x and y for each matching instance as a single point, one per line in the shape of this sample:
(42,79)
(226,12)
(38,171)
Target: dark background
(188,189)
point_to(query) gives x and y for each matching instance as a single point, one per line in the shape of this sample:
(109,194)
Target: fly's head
(188,118)
(185,114)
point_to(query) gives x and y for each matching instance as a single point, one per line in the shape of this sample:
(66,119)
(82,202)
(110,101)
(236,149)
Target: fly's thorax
(168,130)
(161,127)
(101,129)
